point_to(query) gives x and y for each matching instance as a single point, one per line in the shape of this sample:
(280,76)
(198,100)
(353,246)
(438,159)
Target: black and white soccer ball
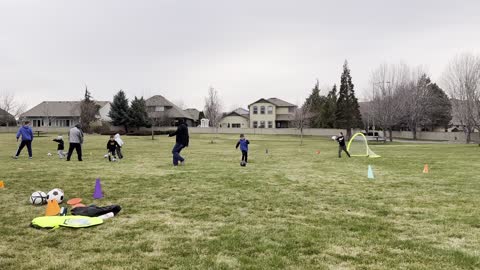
(55,194)
(243,163)
(38,198)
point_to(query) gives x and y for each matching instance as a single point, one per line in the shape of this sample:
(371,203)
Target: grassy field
(290,209)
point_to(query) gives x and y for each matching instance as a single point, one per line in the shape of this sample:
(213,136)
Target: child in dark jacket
(112,148)
(60,147)
(243,143)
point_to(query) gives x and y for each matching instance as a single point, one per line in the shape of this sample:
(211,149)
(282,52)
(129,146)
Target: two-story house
(165,113)
(271,113)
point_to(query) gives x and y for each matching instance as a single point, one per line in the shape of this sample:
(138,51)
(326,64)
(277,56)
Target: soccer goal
(358,147)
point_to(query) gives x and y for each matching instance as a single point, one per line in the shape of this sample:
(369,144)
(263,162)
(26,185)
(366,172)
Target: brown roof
(171,110)
(58,109)
(193,112)
(241,111)
(275,101)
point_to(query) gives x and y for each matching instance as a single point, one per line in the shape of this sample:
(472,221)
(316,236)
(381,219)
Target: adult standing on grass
(182,140)
(27,137)
(341,145)
(75,138)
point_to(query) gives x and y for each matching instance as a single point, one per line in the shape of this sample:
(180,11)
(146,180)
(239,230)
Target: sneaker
(29,157)
(182,163)
(15,157)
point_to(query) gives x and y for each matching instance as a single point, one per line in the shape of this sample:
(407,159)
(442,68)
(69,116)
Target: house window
(255,110)
(67,123)
(262,124)
(235,125)
(159,108)
(279,125)
(270,124)
(291,109)
(255,124)
(270,110)
(262,110)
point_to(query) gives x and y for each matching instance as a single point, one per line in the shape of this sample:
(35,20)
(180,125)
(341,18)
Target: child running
(243,143)
(112,148)
(60,147)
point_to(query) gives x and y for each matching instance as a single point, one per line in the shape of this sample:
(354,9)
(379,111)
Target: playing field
(289,209)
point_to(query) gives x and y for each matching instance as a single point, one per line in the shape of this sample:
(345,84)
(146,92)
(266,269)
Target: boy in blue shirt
(243,143)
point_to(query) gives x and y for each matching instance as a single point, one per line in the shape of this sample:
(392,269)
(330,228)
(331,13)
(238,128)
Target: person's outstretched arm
(236,146)
(248,142)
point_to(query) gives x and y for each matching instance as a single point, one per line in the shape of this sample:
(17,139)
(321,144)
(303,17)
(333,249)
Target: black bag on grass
(96,211)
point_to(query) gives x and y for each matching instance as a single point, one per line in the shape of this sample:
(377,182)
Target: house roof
(193,112)
(235,113)
(275,101)
(172,110)
(241,111)
(58,109)
(4,113)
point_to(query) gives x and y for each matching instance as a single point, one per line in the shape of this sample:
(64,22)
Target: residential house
(272,113)
(239,118)
(61,113)
(6,119)
(165,113)
(195,114)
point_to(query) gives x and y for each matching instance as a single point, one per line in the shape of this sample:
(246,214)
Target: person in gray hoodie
(75,138)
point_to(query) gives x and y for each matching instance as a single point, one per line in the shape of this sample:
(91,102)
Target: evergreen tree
(329,109)
(138,113)
(88,111)
(315,103)
(439,108)
(119,110)
(347,111)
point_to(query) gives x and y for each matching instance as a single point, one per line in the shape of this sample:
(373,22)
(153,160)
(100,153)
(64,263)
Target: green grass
(290,209)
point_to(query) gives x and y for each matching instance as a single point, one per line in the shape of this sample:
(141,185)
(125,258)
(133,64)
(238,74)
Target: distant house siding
(258,118)
(233,121)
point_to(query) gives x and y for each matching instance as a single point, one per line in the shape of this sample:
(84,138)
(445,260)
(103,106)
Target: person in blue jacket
(243,143)
(27,137)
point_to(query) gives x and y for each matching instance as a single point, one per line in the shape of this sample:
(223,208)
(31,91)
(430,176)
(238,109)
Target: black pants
(119,152)
(111,153)
(28,144)
(78,148)
(245,156)
(342,148)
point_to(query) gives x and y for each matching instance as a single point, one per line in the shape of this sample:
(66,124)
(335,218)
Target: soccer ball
(106,156)
(38,198)
(243,163)
(55,194)
(49,154)
(334,138)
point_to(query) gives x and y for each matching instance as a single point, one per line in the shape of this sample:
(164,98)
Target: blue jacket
(243,144)
(26,133)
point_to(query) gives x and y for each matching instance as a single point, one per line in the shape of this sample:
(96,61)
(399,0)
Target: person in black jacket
(112,146)
(182,140)
(341,145)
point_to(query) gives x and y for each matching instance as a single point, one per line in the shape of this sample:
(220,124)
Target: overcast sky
(245,49)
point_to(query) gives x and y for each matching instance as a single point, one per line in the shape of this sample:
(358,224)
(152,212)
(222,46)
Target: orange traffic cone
(318,152)
(2,185)
(52,208)
(425,168)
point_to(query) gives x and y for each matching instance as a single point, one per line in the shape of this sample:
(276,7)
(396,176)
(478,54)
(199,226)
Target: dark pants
(119,152)
(111,153)
(176,154)
(245,156)
(28,144)
(78,148)
(342,148)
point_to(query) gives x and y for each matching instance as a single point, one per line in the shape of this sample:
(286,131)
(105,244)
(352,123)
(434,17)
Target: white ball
(38,198)
(334,137)
(55,194)
(106,156)
(49,154)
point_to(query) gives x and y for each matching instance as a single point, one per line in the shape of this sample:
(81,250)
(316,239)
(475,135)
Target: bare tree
(384,106)
(301,118)
(9,104)
(462,82)
(213,107)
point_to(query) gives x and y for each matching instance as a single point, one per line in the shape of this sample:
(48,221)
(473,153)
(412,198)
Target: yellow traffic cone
(425,168)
